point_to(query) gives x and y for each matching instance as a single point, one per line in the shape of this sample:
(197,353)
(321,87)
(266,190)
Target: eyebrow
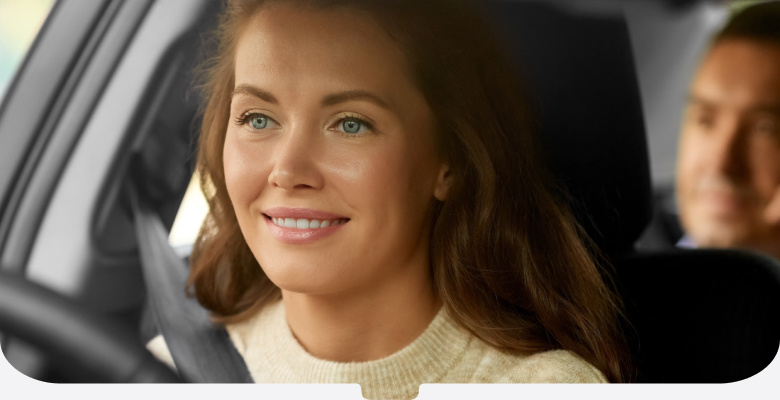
(768,108)
(329,100)
(695,100)
(353,95)
(255,91)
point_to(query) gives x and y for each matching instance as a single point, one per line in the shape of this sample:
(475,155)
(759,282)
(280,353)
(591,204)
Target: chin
(721,235)
(710,229)
(307,280)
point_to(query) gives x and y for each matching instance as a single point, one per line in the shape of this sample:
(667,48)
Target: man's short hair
(760,22)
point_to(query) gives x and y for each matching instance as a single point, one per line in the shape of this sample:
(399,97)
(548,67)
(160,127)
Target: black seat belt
(201,350)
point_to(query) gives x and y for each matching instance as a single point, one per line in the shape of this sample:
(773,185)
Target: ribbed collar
(274,355)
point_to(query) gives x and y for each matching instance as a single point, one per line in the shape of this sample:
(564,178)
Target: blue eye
(353,126)
(258,121)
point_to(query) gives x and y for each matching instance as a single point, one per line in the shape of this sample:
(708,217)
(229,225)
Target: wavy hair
(509,261)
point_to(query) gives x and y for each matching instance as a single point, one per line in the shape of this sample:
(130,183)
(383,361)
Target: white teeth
(305,223)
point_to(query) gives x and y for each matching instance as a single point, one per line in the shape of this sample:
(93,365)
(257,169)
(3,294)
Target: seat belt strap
(201,350)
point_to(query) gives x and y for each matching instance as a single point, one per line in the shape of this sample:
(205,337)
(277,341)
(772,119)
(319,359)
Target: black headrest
(701,316)
(580,70)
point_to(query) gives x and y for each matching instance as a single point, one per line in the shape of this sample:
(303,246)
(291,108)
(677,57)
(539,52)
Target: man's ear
(443,183)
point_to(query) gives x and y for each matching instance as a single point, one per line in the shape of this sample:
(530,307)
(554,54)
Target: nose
(729,153)
(295,165)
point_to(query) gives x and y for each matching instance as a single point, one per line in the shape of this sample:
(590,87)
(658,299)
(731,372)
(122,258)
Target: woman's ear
(443,183)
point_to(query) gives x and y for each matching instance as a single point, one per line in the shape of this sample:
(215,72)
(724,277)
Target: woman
(379,213)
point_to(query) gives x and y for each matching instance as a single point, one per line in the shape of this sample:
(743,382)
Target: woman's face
(329,157)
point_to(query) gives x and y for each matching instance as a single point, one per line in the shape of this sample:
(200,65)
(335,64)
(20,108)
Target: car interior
(98,148)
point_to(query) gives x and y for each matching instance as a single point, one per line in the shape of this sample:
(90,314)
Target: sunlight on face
(329,157)
(728,178)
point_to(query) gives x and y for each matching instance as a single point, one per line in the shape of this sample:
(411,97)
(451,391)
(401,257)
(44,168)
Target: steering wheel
(87,343)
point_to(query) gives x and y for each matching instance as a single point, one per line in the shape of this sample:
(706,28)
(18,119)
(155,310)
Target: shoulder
(241,334)
(259,328)
(561,366)
(159,349)
(554,366)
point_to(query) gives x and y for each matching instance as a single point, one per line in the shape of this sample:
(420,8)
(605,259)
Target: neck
(364,326)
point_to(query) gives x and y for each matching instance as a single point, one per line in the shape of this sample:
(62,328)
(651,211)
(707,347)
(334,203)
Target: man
(728,170)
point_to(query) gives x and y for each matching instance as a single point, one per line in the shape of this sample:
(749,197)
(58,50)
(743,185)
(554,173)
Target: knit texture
(444,353)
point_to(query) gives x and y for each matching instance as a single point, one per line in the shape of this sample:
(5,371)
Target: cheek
(365,178)
(243,171)
(348,167)
(388,180)
(772,210)
(689,160)
(765,159)
(686,177)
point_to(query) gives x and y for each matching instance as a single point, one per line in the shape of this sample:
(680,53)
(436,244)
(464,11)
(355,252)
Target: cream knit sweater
(444,353)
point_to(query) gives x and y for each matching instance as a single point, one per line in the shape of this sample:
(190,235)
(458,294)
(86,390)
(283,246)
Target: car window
(190,216)
(20,21)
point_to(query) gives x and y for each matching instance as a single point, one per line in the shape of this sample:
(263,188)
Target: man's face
(728,171)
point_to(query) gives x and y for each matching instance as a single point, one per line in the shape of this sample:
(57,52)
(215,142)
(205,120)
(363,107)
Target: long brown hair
(508,260)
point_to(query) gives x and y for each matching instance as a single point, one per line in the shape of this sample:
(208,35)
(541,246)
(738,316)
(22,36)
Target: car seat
(696,316)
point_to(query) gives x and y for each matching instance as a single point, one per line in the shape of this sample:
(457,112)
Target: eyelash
(244,118)
(353,117)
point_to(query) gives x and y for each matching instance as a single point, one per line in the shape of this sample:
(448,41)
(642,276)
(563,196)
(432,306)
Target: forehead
(740,72)
(308,47)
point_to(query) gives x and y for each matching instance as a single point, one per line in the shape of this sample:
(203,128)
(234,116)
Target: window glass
(20,21)
(190,217)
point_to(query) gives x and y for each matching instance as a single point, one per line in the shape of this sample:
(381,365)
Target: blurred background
(20,21)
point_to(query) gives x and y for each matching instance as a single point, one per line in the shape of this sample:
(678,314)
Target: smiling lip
(294,230)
